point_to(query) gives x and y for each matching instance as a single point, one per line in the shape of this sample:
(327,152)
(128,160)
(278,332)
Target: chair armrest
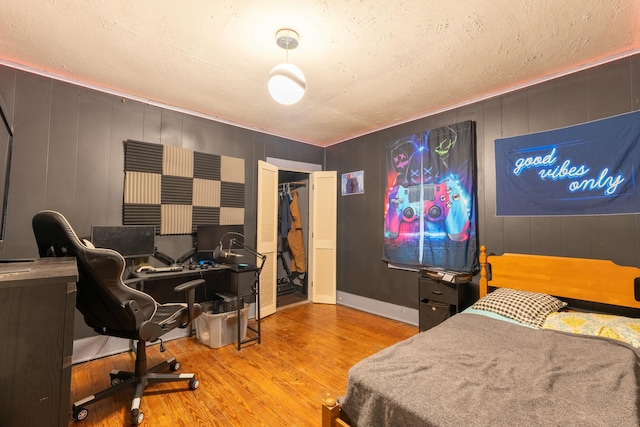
(190,290)
(134,309)
(189,285)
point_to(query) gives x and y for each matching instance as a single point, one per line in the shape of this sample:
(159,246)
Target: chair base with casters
(141,378)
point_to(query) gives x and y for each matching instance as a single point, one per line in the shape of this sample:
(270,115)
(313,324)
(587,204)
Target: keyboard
(171,269)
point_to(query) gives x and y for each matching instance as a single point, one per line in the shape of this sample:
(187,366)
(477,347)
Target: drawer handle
(437,292)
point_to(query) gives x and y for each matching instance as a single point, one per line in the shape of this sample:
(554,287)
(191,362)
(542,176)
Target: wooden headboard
(594,280)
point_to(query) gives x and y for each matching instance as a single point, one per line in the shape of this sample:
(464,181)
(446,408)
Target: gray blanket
(472,370)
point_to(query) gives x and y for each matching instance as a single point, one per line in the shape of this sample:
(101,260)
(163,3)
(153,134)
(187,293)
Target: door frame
(271,287)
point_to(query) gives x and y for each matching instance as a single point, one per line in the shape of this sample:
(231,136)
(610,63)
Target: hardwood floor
(291,298)
(304,357)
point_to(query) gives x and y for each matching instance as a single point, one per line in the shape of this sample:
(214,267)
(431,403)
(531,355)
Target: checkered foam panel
(176,189)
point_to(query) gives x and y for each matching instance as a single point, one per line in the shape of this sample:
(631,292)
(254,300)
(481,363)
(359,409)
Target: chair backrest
(101,294)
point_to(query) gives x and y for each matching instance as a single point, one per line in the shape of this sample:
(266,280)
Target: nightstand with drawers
(440,300)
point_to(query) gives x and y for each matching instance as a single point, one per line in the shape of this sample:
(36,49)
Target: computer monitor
(6,147)
(131,241)
(210,236)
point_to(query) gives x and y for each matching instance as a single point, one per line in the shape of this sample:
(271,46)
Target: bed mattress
(473,370)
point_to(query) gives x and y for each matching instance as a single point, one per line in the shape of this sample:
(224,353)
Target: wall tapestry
(177,189)
(430,205)
(587,169)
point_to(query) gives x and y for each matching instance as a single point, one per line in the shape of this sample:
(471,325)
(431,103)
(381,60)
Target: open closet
(293,238)
(316,193)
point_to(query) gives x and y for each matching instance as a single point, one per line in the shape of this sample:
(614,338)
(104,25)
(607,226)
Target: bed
(519,356)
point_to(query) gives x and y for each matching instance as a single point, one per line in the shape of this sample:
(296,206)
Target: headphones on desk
(217,251)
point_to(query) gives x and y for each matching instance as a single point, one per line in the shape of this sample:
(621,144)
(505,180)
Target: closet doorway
(293,238)
(316,196)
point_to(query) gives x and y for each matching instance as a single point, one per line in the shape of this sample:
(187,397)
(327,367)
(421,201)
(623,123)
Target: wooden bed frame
(592,280)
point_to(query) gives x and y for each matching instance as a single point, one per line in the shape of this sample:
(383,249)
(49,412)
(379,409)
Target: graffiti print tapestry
(430,205)
(588,169)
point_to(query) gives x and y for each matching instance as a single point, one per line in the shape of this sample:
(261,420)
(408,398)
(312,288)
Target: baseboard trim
(400,313)
(90,348)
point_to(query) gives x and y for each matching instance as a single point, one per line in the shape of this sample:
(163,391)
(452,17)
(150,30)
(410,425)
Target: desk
(243,282)
(37,307)
(160,285)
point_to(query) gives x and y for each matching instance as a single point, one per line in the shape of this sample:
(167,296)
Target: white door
(267,233)
(323,215)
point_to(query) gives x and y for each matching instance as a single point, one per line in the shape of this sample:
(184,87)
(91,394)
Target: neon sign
(548,169)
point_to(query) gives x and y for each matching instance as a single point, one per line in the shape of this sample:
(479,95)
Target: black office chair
(112,308)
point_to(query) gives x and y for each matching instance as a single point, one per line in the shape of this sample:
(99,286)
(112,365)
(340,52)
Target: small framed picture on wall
(353,183)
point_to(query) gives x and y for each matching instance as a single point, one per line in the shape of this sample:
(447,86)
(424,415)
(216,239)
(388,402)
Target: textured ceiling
(368,64)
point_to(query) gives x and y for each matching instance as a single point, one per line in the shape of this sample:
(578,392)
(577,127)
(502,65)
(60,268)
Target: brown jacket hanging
(296,243)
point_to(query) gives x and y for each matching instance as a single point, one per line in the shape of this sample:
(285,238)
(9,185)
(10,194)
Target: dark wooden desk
(37,307)
(242,282)
(160,285)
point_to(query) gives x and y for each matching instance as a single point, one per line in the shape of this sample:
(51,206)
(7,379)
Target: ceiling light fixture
(286,81)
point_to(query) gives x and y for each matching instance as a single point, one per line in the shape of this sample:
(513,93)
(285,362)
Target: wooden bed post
(484,280)
(332,415)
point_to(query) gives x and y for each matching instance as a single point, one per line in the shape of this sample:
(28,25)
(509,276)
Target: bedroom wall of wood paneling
(596,93)
(68,157)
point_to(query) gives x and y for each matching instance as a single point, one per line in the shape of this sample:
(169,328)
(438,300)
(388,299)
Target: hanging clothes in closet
(294,238)
(285,217)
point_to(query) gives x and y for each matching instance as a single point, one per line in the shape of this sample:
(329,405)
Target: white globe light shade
(286,84)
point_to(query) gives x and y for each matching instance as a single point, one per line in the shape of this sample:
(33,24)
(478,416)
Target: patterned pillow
(620,328)
(531,308)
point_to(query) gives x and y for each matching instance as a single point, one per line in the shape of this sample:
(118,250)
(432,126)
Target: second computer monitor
(131,241)
(208,237)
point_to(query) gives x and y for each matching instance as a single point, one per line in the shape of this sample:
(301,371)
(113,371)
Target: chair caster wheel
(136,417)
(194,384)
(174,366)
(115,379)
(80,414)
